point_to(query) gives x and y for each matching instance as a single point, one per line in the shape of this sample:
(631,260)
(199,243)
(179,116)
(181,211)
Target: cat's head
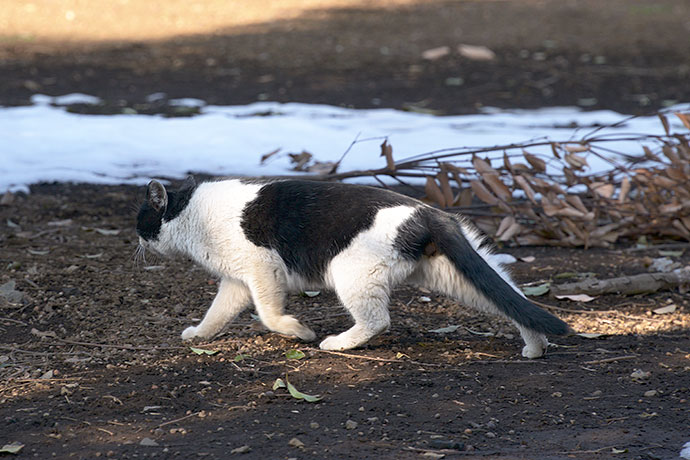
(158,210)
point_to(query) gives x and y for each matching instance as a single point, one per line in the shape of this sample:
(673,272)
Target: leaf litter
(294,392)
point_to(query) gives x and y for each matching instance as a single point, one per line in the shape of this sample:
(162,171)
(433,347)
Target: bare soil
(629,56)
(91,363)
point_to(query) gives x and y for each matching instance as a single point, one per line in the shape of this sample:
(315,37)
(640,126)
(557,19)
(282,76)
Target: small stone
(10,294)
(148,442)
(314,425)
(639,374)
(241,450)
(446,444)
(7,199)
(294,442)
(433,455)
(47,375)
(557,394)
(597,393)
(650,393)
(490,434)
(350,425)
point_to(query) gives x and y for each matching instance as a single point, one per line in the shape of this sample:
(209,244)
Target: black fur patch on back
(309,223)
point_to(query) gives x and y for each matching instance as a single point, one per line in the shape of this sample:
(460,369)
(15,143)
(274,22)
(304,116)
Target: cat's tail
(450,240)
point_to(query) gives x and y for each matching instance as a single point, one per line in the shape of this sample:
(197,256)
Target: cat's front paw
(289,325)
(189,333)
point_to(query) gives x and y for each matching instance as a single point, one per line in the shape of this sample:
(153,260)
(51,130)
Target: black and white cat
(265,239)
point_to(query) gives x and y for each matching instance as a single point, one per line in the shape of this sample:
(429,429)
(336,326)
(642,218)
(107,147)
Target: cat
(265,239)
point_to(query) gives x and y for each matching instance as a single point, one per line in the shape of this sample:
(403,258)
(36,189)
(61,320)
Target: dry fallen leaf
(590,335)
(476,52)
(12,448)
(387,152)
(433,54)
(268,155)
(665,310)
(576,297)
(433,192)
(483,193)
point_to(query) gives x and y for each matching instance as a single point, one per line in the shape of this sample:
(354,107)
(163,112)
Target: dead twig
(660,246)
(571,310)
(594,451)
(626,285)
(15,321)
(550,198)
(115,346)
(506,361)
(179,419)
(373,358)
(610,360)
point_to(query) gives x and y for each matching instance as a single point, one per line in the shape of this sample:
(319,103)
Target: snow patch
(45,143)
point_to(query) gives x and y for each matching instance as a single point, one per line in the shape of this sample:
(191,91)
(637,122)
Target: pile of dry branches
(539,198)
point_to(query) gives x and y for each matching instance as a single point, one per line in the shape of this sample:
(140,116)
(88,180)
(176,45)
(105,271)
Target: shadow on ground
(615,55)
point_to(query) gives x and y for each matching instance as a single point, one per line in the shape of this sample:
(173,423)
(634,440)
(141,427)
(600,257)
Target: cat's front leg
(233,297)
(268,294)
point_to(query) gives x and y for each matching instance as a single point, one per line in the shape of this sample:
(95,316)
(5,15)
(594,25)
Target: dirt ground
(629,56)
(91,363)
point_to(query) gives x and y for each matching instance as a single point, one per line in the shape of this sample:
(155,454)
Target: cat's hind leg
(364,289)
(438,274)
(232,298)
(268,293)
(370,313)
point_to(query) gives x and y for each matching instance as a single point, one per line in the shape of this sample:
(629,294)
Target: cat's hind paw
(333,343)
(534,351)
(189,333)
(342,341)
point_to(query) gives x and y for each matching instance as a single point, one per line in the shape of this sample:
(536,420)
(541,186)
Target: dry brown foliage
(550,199)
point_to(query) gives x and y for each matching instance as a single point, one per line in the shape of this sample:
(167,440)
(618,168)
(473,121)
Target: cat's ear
(157,196)
(189,183)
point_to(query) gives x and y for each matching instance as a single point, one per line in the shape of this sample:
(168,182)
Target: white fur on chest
(209,229)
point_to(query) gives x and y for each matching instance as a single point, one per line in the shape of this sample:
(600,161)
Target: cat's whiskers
(134,206)
(139,255)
